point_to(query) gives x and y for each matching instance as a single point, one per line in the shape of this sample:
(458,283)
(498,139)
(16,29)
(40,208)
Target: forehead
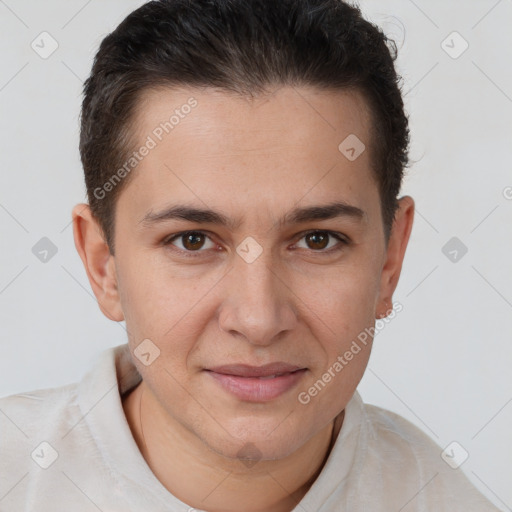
(219,112)
(212,146)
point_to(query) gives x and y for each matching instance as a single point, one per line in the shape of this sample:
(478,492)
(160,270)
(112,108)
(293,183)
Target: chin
(249,453)
(254,443)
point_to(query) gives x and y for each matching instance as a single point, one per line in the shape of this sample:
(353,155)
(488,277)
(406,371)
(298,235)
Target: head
(243,161)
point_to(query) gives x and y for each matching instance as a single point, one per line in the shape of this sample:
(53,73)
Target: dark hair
(239,46)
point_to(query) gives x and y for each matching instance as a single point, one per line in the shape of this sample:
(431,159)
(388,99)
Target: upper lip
(244,370)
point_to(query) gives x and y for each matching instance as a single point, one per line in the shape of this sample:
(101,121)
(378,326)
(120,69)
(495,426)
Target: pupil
(193,241)
(320,239)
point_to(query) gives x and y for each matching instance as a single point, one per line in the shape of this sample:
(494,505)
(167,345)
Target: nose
(258,303)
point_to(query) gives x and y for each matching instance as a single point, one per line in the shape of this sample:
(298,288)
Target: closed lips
(269,371)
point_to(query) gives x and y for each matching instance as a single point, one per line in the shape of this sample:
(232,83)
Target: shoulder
(54,412)
(42,413)
(391,429)
(32,427)
(406,457)
(26,406)
(46,438)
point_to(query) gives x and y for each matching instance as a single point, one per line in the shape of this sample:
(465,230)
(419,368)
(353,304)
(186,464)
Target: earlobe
(395,253)
(385,308)
(99,264)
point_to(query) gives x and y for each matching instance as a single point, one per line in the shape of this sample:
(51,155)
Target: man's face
(262,288)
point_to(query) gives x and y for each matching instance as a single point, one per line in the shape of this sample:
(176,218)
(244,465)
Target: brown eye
(318,240)
(190,241)
(193,241)
(322,241)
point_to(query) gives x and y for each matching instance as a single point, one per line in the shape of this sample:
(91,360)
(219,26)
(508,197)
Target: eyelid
(342,239)
(167,241)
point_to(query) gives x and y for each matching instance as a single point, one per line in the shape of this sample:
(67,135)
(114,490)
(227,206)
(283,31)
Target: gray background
(443,362)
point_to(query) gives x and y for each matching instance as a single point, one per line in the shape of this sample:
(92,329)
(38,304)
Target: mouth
(257,383)
(266,371)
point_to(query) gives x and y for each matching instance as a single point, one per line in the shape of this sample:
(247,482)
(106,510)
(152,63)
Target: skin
(299,302)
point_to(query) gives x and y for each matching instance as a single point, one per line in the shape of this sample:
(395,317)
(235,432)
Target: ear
(395,252)
(98,262)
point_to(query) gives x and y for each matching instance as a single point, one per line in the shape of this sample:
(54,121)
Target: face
(245,238)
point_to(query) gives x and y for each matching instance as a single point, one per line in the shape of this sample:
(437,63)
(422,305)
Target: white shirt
(71,449)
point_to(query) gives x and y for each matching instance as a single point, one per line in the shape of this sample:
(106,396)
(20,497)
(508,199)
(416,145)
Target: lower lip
(253,389)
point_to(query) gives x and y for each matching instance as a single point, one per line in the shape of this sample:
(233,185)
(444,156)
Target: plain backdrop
(444,362)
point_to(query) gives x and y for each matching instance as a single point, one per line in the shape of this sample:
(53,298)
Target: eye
(191,241)
(319,241)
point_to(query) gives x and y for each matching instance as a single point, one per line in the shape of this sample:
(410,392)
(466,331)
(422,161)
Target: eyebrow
(295,216)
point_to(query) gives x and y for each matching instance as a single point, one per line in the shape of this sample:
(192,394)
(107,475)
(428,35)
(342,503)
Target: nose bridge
(257,304)
(258,278)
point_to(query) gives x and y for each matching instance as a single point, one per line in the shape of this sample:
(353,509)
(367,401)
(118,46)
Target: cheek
(341,318)
(147,301)
(343,300)
(161,306)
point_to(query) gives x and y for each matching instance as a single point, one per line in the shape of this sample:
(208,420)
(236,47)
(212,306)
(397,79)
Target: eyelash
(344,241)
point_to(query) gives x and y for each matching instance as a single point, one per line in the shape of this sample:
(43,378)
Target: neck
(205,479)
